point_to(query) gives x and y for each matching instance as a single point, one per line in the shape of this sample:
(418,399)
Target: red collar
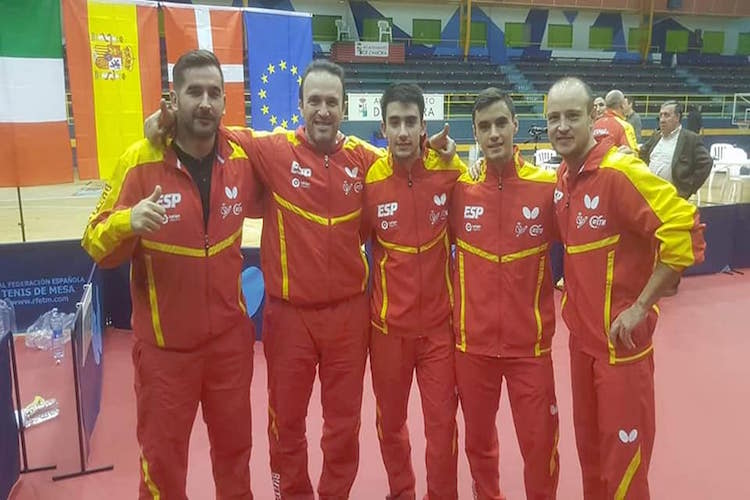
(510,168)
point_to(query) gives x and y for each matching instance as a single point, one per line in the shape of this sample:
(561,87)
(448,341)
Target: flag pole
(20,211)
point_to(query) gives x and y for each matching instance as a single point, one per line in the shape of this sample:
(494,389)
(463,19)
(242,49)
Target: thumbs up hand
(147,216)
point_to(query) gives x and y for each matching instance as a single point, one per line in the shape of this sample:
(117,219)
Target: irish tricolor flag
(115,77)
(34,138)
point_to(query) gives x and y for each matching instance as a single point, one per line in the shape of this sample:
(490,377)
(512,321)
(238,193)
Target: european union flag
(279,47)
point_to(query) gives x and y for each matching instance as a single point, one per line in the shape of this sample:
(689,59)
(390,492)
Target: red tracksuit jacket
(185,278)
(406,212)
(614,218)
(617,129)
(502,226)
(311,248)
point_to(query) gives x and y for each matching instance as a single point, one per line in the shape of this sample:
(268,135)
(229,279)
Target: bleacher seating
(605,76)
(723,79)
(434,75)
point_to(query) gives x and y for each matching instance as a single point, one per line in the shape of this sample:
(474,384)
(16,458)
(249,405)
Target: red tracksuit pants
(614,419)
(393,360)
(531,390)
(168,387)
(296,340)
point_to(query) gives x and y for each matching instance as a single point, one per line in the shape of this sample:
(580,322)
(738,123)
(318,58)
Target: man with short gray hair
(676,154)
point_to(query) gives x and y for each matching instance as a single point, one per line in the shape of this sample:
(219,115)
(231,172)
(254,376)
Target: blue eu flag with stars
(279,47)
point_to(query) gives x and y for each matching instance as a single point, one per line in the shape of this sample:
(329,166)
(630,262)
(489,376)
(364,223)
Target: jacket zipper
(206,244)
(416,231)
(328,197)
(500,248)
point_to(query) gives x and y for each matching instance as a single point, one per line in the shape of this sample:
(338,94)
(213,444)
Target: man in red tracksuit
(627,236)
(407,195)
(504,315)
(613,125)
(177,216)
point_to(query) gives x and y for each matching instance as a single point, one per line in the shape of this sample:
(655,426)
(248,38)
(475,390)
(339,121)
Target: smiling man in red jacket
(177,215)
(407,196)
(628,236)
(504,315)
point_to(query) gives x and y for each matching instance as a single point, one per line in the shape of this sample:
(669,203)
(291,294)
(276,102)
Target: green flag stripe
(30,28)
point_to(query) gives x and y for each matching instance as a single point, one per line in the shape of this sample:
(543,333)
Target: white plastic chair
(384,28)
(543,156)
(341,30)
(718,151)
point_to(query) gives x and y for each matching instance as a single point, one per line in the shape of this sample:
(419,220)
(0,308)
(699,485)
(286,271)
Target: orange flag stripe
(35,154)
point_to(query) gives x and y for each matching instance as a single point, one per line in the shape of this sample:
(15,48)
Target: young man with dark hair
(165,212)
(504,315)
(627,236)
(407,194)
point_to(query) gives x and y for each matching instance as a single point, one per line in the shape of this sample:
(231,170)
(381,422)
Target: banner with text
(366,107)
(371,49)
(43,275)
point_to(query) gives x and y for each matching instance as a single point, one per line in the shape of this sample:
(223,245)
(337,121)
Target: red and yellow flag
(189,27)
(115,77)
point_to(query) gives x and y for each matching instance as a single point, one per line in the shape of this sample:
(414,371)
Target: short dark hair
(198,58)
(407,93)
(631,101)
(324,66)
(490,96)
(677,106)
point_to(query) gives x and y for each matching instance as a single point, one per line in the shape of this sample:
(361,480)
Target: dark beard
(188,126)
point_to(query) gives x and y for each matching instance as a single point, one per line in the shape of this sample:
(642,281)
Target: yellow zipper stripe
(448,280)
(384,288)
(323,221)
(524,253)
(537,311)
(410,249)
(192,251)
(594,245)
(367,268)
(462,286)
(283,256)
(477,251)
(153,302)
(608,303)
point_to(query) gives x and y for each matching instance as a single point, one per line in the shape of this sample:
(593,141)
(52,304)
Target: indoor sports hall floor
(702,440)
(702,376)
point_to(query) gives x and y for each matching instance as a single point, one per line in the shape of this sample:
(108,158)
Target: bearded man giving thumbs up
(177,215)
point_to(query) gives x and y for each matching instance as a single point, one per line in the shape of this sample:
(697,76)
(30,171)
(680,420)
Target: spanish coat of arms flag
(115,77)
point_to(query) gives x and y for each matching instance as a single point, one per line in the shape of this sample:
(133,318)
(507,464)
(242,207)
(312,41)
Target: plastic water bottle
(58,342)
